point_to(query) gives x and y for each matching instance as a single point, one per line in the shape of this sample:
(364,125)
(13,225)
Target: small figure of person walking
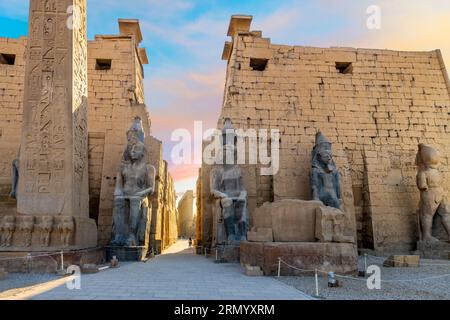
(190,242)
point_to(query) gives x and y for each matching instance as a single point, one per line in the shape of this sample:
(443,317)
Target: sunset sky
(184,39)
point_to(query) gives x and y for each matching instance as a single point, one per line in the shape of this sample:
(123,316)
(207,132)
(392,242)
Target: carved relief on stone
(7,228)
(330,225)
(66,227)
(25,226)
(433,197)
(44,226)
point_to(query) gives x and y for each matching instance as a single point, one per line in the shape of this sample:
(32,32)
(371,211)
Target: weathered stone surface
(338,257)
(402,261)
(433,250)
(290,220)
(253,271)
(260,235)
(433,197)
(330,225)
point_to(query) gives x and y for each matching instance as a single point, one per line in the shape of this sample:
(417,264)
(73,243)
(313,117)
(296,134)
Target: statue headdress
(321,144)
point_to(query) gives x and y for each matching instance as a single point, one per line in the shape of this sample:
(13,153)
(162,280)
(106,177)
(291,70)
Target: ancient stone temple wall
(12,68)
(115,98)
(186,225)
(375,106)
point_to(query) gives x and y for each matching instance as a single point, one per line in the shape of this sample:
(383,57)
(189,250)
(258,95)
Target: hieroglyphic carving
(54,140)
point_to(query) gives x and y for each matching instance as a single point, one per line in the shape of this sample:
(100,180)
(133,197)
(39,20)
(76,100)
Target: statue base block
(433,250)
(127,253)
(49,262)
(227,253)
(341,258)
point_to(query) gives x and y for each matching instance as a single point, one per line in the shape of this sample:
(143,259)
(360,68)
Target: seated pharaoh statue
(325,181)
(135,183)
(433,197)
(228,190)
(326,187)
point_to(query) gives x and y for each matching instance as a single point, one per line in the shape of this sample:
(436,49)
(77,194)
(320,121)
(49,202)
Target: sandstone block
(402,261)
(253,271)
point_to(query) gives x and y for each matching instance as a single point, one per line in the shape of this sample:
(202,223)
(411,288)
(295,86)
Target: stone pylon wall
(375,117)
(115,97)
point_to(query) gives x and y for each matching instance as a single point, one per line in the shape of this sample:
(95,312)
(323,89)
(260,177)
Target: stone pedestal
(227,253)
(127,253)
(341,258)
(433,250)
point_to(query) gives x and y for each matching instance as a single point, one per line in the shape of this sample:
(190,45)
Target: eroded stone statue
(66,227)
(7,228)
(25,226)
(433,197)
(135,182)
(325,180)
(326,187)
(44,227)
(228,190)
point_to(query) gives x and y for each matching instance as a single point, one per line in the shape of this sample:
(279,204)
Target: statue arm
(118,192)
(151,172)
(338,185)
(315,184)
(422,181)
(214,186)
(243,194)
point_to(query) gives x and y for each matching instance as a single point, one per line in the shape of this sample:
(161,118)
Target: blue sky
(184,41)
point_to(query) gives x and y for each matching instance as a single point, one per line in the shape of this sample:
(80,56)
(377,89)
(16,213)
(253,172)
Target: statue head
(427,156)
(322,153)
(135,150)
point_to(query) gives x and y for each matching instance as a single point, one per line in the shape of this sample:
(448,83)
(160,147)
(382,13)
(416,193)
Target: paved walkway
(177,274)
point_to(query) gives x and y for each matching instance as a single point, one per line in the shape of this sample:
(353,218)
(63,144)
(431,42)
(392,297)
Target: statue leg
(241,219)
(118,222)
(444,213)
(427,210)
(135,214)
(228,217)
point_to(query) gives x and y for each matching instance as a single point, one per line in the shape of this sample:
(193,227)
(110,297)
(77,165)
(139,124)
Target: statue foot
(430,239)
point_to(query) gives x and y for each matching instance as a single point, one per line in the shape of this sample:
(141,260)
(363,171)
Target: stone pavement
(177,274)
